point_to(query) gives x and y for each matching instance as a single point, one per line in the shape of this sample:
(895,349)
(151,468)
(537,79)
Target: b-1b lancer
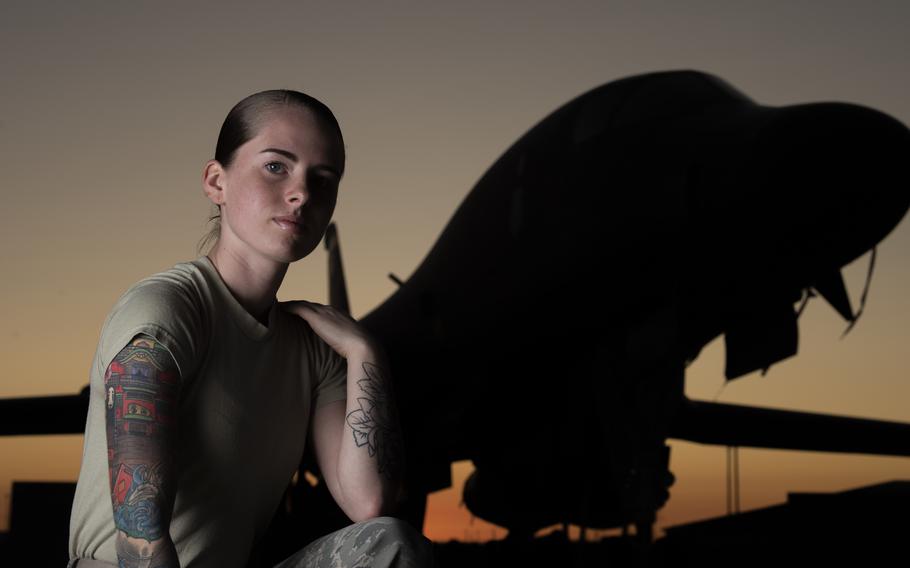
(546,334)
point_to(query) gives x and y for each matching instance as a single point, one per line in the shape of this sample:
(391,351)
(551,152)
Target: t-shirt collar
(247,323)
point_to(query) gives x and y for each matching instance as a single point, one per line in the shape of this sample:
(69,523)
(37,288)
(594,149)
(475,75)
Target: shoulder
(315,351)
(163,298)
(305,338)
(169,306)
(184,283)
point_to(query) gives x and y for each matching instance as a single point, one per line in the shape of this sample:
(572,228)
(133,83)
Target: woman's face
(279,193)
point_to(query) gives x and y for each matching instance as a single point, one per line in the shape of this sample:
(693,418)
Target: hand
(337,329)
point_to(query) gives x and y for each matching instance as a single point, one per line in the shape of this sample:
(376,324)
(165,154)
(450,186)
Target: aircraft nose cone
(843,170)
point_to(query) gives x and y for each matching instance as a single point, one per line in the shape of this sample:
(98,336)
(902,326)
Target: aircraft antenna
(807,293)
(862,299)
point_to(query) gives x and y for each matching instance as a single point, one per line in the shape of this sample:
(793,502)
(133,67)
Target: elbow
(379,504)
(367,509)
(369,500)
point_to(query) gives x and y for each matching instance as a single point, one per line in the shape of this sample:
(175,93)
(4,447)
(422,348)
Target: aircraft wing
(752,426)
(61,414)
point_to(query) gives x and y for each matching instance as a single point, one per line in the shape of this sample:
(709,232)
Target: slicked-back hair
(242,122)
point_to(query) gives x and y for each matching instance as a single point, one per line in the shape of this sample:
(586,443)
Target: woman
(204,388)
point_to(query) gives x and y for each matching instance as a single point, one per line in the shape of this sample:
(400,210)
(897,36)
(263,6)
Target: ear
(213,178)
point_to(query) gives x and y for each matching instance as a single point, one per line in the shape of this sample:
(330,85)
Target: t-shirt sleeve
(163,309)
(331,370)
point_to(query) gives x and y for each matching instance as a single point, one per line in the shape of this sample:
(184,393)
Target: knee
(390,530)
(392,526)
(403,541)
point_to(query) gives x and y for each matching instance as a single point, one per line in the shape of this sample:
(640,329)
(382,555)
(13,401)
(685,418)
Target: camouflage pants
(383,542)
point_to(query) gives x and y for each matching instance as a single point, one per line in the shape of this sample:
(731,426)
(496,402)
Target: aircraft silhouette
(546,334)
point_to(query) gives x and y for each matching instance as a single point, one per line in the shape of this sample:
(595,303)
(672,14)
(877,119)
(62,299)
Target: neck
(252,280)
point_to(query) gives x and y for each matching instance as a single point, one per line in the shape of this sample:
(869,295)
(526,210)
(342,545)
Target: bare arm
(141,386)
(358,442)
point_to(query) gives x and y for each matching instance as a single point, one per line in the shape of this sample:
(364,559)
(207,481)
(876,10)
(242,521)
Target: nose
(298,193)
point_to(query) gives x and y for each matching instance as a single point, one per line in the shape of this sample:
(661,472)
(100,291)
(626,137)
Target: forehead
(300,131)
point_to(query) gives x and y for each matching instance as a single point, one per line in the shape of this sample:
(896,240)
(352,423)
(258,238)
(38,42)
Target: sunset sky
(110,110)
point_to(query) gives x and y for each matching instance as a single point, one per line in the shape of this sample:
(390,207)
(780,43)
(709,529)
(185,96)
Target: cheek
(325,204)
(321,215)
(250,206)
(255,202)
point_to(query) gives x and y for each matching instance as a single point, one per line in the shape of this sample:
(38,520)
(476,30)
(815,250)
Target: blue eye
(274,167)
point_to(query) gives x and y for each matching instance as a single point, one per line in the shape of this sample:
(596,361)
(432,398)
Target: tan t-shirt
(246,396)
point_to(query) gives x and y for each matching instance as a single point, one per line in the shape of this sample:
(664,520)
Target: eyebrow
(293,157)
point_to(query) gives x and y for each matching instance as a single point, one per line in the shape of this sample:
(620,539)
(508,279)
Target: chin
(298,252)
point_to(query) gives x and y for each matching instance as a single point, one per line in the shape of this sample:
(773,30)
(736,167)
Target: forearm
(142,514)
(370,461)
(140,552)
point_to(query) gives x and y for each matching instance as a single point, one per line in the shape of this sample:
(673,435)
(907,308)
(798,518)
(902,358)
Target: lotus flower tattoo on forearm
(375,423)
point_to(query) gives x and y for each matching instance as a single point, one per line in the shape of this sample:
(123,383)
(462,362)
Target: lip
(289,223)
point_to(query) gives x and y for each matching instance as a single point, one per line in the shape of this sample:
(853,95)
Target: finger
(295,304)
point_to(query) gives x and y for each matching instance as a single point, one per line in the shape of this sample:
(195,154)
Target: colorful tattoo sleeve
(141,386)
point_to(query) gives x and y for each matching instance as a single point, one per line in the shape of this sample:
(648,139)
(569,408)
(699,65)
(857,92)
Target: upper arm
(325,434)
(141,392)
